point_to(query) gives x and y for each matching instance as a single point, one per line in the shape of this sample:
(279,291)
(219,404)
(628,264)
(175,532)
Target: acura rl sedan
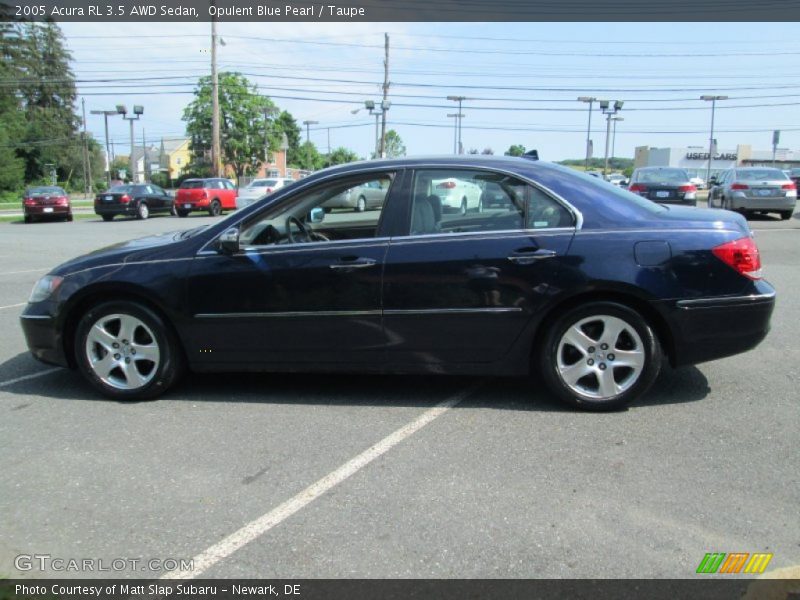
(589,286)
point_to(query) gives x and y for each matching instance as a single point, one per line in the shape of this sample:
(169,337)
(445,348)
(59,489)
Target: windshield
(762,174)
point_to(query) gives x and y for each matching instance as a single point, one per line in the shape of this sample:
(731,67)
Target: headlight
(45,287)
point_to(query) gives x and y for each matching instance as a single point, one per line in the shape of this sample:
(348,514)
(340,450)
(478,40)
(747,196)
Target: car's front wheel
(126,351)
(600,356)
(215,209)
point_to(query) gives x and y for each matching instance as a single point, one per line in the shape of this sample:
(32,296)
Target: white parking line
(31,376)
(13,305)
(224,548)
(28,271)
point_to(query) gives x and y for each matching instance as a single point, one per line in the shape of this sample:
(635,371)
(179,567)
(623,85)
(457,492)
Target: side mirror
(229,241)
(317,215)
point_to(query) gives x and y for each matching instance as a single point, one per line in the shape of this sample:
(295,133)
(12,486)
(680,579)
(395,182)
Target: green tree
(515,150)
(310,158)
(243,135)
(339,156)
(12,121)
(393,144)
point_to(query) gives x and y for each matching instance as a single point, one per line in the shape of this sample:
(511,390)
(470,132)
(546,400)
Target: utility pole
(266,140)
(215,143)
(308,142)
(145,169)
(459,116)
(385,103)
(87,167)
(590,100)
(711,142)
(105,114)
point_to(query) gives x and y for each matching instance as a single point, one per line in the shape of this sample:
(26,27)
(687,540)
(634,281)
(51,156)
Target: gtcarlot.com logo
(46,562)
(734,562)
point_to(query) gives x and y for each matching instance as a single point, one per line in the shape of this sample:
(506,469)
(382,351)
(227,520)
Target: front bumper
(43,338)
(710,328)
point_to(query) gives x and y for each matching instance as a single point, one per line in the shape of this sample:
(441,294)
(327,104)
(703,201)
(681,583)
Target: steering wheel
(302,236)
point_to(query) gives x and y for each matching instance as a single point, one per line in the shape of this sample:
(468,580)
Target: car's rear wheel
(600,356)
(142,211)
(786,215)
(108,217)
(361,204)
(215,208)
(182,213)
(126,351)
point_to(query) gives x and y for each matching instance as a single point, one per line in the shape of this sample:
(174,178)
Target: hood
(154,247)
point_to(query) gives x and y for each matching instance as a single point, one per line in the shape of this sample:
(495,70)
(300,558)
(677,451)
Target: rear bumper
(710,328)
(192,204)
(42,211)
(43,338)
(115,209)
(780,203)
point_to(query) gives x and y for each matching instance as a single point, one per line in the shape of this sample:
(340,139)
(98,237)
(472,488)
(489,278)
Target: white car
(617,179)
(698,182)
(258,188)
(458,195)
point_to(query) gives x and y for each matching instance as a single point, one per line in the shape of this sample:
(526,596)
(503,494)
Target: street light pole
(138,110)
(589,100)
(609,110)
(614,135)
(713,100)
(456,117)
(215,135)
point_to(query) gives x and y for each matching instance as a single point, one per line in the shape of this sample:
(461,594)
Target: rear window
(763,174)
(121,189)
(661,175)
(263,183)
(45,191)
(795,172)
(193,184)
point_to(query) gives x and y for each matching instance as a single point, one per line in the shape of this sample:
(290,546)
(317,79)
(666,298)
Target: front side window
(332,211)
(458,201)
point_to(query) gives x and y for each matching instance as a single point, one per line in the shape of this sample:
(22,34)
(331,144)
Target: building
(175,157)
(695,158)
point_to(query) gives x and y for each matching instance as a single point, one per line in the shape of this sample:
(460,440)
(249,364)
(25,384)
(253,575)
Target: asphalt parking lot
(484,478)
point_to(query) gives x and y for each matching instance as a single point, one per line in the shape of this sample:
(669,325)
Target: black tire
(361,204)
(182,213)
(786,215)
(168,370)
(215,208)
(68,218)
(142,211)
(633,387)
(28,219)
(107,218)
(172,210)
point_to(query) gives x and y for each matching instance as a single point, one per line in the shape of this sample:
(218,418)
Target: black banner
(713,11)
(408,589)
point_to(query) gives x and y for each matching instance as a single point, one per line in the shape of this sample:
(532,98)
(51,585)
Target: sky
(522,81)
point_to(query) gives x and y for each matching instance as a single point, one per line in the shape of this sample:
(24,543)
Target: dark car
(133,200)
(46,202)
(583,282)
(665,185)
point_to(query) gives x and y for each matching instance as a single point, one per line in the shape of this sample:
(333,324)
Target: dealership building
(695,158)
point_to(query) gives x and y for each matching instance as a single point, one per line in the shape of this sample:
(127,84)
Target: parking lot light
(713,100)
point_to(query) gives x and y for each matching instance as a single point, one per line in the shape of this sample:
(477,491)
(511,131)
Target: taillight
(447,185)
(740,186)
(29,202)
(637,187)
(269,190)
(62,201)
(742,255)
(687,188)
(125,199)
(789,186)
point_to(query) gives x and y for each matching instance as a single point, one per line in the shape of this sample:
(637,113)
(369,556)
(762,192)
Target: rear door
(461,288)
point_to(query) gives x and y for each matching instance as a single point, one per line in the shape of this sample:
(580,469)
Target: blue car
(562,275)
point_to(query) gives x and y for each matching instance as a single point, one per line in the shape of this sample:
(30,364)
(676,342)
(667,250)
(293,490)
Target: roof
(173,144)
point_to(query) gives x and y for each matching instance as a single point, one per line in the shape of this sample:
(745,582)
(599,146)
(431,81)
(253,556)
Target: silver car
(258,188)
(754,190)
(359,198)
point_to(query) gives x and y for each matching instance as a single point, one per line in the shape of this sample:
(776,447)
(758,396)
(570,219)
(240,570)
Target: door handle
(528,256)
(348,263)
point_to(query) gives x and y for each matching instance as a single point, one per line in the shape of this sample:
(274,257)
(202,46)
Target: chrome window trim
(308,246)
(497,234)
(451,311)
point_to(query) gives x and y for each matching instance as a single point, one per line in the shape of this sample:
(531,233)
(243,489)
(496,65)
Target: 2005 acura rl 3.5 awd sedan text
(570,276)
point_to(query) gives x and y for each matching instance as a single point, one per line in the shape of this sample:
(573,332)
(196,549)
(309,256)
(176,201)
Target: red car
(213,195)
(46,202)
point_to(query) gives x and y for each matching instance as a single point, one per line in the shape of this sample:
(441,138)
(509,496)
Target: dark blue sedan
(547,270)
